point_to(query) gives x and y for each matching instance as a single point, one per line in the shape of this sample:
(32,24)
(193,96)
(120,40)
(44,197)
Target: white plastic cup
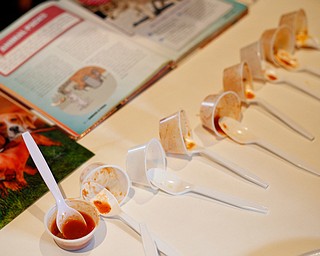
(254,56)
(142,158)
(274,40)
(215,106)
(73,244)
(111,177)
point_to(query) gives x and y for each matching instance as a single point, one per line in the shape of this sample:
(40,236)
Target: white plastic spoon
(281,116)
(238,78)
(150,248)
(242,134)
(172,184)
(194,149)
(262,70)
(176,138)
(65,212)
(109,207)
(272,76)
(278,47)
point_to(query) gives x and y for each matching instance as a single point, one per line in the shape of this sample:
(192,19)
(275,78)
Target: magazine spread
(72,69)
(75,69)
(172,27)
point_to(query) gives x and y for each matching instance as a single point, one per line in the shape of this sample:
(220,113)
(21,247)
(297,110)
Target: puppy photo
(13,151)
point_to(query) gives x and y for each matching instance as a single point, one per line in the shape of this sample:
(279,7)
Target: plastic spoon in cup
(263,71)
(298,22)
(278,46)
(242,134)
(238,78)
(176,138)
(172,184)
(109,207)
(65,213)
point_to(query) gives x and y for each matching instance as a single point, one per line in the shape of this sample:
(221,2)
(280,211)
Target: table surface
(191,224)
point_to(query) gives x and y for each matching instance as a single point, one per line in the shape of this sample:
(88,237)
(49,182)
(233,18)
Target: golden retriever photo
(13,152)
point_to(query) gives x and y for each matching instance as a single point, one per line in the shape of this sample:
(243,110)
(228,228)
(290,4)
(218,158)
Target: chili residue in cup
(74,229)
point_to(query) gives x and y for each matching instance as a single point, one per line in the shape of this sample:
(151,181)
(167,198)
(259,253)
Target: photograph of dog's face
(14,124)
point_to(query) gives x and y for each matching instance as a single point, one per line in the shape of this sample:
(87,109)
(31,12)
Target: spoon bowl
(101,198)
(173,185)
(237,132)
(65,213)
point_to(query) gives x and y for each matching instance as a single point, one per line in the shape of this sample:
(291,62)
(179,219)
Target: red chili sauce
(217,125)
(103,207)
(250,94)
(74,229)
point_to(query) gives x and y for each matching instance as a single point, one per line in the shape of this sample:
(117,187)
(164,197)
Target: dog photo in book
(14,154)
(20,182)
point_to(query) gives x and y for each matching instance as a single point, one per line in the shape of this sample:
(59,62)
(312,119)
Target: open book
(75,68)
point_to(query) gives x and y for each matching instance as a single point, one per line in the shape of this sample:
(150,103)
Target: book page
(172,27)
(178,23)
(71,68)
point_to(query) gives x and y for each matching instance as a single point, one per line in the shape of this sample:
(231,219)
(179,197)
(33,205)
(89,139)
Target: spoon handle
(233,167)
(150,248)
(295,160)
(302,86)
(43,167)
(237,202)
(283,117)
(162,246)
(312,70)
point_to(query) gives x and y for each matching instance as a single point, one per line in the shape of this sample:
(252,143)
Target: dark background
(13,9)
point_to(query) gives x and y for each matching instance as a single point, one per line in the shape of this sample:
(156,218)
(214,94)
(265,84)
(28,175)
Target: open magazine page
(172,27)
(71,68)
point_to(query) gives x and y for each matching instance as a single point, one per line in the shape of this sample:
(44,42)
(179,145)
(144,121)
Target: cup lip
(182,116)
(114,167)
(214,110)
(246,72)
(290,43)
(97,163)
(70,241)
